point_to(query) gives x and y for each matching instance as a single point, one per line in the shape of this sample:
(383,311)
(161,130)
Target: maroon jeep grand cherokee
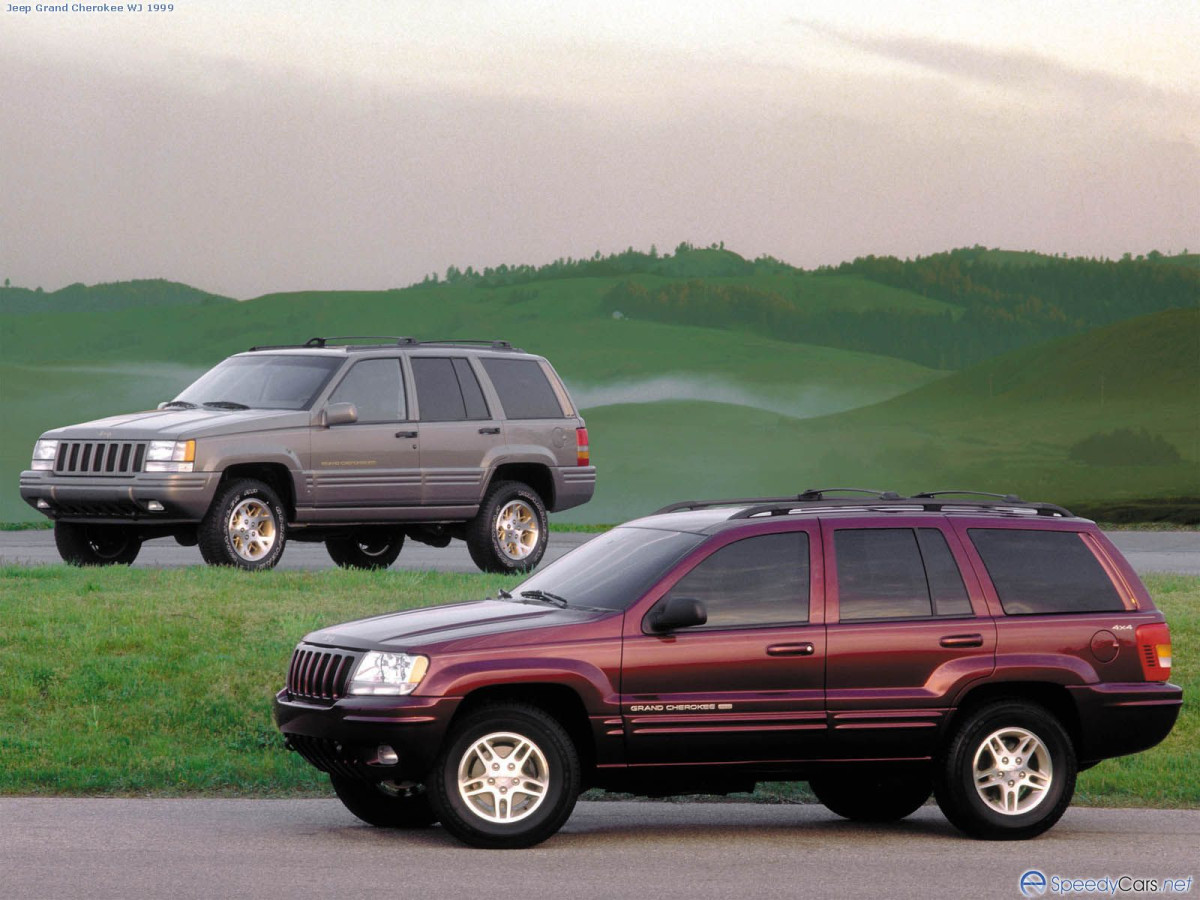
(883,649)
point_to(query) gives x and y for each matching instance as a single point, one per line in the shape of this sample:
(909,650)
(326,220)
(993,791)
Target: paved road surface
(183,849)
(1147,551)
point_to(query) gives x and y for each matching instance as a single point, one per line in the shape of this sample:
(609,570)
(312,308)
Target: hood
(181,424)
(476,623)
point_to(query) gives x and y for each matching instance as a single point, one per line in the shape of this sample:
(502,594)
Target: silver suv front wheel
(245,526)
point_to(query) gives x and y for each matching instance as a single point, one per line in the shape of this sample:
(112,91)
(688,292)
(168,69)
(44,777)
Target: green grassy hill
(76,298)
(1006,425)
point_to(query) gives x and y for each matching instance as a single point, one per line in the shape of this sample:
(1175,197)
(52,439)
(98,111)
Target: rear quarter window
(524,391)
(1038,572)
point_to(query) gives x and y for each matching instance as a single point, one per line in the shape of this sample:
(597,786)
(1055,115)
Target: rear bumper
(1117,719)
(573,486)
(343,738)
(185,497)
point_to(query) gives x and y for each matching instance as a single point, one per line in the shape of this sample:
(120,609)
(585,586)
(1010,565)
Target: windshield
(613,570)
(261,382)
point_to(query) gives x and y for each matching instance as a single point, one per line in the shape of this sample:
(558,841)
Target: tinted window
(761,580)
(614,569)
(524,391)
(264,381)
(1044,571)
(376,388)
(946,588)
(438,393)
(469,385)
(880,574)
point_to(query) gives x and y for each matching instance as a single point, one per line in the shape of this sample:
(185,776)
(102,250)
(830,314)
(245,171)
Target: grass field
(158,682)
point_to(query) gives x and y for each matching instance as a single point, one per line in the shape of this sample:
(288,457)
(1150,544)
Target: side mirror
(341,414)
(677,612)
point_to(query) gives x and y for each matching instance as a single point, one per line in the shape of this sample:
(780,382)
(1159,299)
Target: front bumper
(1118,719)
(185,496)
(343,738)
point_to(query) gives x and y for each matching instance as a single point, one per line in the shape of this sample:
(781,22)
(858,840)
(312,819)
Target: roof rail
(1007,498)
(493,344)
(321,342)
(705,504)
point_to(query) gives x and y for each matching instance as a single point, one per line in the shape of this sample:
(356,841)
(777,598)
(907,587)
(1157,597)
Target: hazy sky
(247,147)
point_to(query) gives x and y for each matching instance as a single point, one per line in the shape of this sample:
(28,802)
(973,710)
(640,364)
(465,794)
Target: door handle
(804,649)
(962,640)
(489,430)
(406,434)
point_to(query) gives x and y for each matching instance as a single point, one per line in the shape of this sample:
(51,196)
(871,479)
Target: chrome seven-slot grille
(319,674)
(100,457)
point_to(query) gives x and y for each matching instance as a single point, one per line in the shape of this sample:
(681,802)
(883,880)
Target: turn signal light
(582,453)
(1154,650)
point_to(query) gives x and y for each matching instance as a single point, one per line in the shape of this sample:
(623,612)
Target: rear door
(908,627)
(458,431)
(747,685)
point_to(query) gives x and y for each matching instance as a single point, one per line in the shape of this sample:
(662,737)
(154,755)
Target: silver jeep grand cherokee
(357,442)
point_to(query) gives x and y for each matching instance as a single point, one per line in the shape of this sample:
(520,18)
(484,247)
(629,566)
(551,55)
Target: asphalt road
(313,848)
(1147,551)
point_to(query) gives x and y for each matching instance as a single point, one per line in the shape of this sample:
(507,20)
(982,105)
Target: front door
(746,686)
(374,461)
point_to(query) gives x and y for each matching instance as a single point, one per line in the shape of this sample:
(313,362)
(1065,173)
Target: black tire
(244,543)
(96,545)
(1050,763)
(885,797)
(552,763)
(366,548)
(387,804)
(490,551)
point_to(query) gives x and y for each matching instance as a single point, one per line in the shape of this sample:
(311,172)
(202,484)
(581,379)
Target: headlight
(170,456)
(388,673)
(44,453)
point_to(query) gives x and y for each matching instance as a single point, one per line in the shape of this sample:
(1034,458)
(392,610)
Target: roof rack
(318,343)
(926,501)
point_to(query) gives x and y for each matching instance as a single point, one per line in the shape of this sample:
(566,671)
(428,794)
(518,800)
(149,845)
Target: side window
(946,588)
(376,388)
(897,573)
(880,574)
(472,395)
(761,580)
(447,389)
(524,391)
(1044,572)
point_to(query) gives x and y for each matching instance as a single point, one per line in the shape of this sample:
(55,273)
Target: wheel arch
(536,475)
(558,700)
(1055,698)
(275,475)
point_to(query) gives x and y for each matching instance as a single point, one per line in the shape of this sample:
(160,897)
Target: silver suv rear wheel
(509,533)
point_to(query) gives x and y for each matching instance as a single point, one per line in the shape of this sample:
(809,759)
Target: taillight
(1154,650)
(582,455)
